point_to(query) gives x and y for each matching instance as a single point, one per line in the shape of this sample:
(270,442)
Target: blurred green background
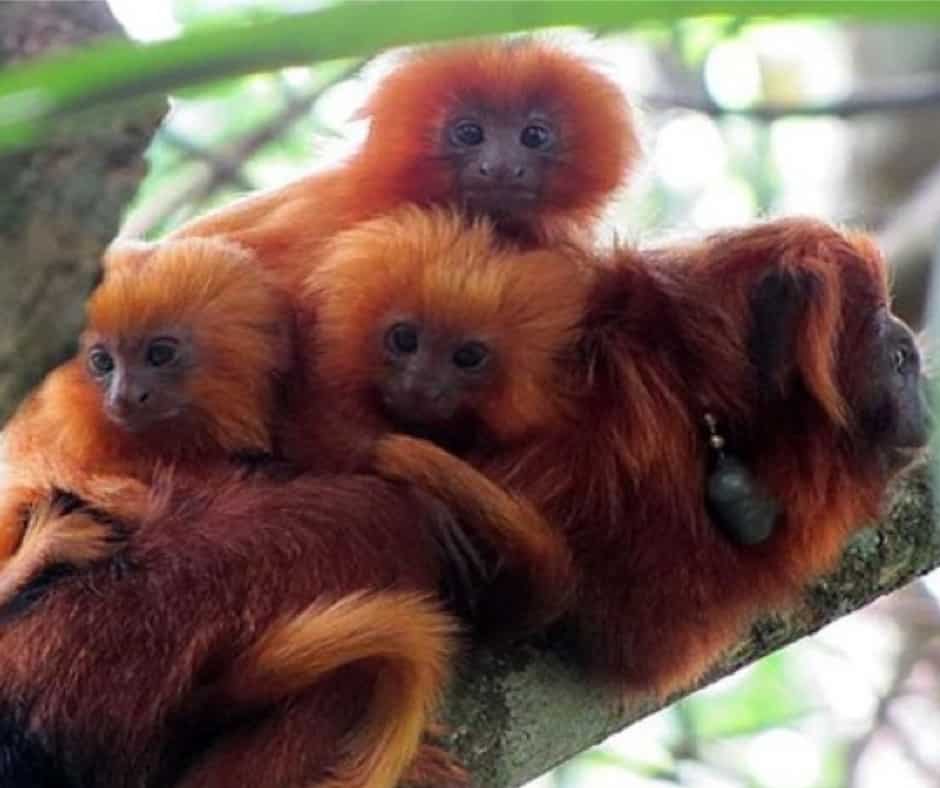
(742,118)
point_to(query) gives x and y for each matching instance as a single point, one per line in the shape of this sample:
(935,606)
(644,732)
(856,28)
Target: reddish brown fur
(531,579)
(239,321)
(215,566)
(407,634)
(76,539)
(433,267)
(665,341)
(443,272)
(398,163)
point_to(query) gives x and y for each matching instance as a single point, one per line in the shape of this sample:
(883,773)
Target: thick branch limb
(517,713)
(60,205)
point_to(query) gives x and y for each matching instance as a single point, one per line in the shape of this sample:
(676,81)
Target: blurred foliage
(34,95)
(768,697)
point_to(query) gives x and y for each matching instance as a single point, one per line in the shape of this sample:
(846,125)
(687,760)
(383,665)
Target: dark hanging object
(736,501)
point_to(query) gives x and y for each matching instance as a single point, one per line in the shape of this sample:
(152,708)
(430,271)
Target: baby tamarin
(517,130)
(798,328)
(179,364)
(427,325)
(492,527)
(186,351)
(487,333)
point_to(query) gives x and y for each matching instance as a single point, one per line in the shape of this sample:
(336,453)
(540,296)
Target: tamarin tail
(408,636)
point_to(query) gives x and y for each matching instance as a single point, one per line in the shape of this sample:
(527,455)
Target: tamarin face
(429,320)
(141,377)
(501,157)
(190,329)
(526,133)
(894,408)
(430,374)
(873,355)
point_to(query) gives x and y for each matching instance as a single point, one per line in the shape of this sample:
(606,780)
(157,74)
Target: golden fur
(442,271)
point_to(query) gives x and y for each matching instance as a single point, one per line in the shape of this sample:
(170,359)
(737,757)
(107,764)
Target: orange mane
(239,325)
(409,110)
(437,268)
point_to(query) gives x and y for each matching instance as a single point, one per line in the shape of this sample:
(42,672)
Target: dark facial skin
(892,408)
(430,374)
(141,378)
(501,158)
(895,410)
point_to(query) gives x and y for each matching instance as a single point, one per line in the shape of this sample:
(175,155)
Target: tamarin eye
(535,136)
(467,133)
(161,352)
(100,362)
(471,355)
(899,358)
(402,338)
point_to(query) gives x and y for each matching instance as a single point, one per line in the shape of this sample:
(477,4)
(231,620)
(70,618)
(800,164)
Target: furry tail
(55,533)
(534,568)
(406,634)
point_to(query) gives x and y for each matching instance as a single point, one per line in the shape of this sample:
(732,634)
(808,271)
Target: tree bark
(60,204)
(515,713)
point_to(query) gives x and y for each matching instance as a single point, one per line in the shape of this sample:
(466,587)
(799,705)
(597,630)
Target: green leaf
(33,96)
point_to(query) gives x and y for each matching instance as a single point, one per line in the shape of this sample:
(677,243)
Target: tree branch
(226,169)
(61,204)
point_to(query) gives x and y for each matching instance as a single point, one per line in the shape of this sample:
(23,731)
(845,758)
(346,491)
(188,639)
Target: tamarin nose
(500,170)
(128,396)
(434,392)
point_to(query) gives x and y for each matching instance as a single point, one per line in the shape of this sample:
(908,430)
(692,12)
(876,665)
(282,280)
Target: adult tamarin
(496,354)
(755,337)
(779,340)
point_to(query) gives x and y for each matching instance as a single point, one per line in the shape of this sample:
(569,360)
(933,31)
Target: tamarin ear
(796,318)
(777,306)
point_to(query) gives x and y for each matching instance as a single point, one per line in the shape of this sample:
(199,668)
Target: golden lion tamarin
(520,131)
